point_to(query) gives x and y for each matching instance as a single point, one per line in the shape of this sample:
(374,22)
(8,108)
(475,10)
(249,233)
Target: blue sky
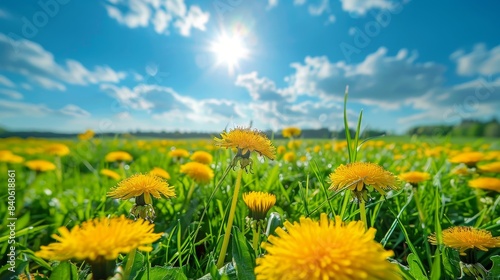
(118,65)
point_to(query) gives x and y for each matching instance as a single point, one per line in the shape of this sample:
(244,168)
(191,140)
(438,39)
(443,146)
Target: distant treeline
(467,128)
(322,133)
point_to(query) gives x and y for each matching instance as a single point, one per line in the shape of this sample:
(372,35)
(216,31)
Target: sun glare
(229,51)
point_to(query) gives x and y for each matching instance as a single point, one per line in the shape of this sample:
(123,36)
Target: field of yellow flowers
(245,206)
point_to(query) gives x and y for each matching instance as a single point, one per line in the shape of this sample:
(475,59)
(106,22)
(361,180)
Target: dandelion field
(191,226)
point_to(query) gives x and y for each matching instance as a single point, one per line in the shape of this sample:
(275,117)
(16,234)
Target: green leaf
(243,259)
(161,272)
(495,269)
(416,268)
(451,263)
(65,270)
(138,266)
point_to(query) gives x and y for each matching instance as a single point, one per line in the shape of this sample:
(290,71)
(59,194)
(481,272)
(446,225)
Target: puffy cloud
(74,111)
(159,14)
(480,61)
(362,6)
(262,89)
(31,60)
(271,4)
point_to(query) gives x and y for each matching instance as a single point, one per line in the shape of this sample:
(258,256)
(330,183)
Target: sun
(229,50)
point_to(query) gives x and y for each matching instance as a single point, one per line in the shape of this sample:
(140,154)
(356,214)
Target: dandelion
(57,149)
(291,132)
(160,172)
(325,250)
(202,157)
(463,238)
(493,167)
(281,150)
(485,183)
(199,172)
(356,176)
(178,154)
(246,141)
(259,204)
(468,158)
(8,157)
(40,165)
(110,174)
(290,157)
(100,242)
(87,135)
(120,156)
(142,187)
(414,177)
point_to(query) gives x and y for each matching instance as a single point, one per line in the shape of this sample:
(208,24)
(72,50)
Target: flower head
(57,149)
(160,172)
(259,204)
(9,157)
(145,185)
(246,141)
(199,172)
(290,157)
(202,157)
(40,165)
(292,131)
(486,183)
(178,153)
(462,238)
(87,135)
(110,174)
(118,156)
(325,250)
(493,167)
(356,176)
(414,177)
(469,158)
(99,239)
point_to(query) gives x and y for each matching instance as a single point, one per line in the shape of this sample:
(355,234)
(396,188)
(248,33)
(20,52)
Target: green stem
(189,195)
(362,212)
(230,219)
(256,237)
(419,208)
(347,195)
(129,264)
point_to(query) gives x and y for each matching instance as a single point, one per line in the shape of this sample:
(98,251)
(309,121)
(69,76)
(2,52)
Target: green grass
(191,244)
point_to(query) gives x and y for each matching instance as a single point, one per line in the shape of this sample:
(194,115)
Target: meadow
(77,182)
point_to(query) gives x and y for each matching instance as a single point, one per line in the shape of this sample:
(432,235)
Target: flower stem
(189,194)
(129,264)
(230,219)
(362,212)
(256,237)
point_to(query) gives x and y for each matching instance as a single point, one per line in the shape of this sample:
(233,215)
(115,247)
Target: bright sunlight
(229,50)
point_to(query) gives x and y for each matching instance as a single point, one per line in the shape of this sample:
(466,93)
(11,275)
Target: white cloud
(74,111)
(272,4)
(159,14)
(261,88)
(16,109)
(299,2)
(38,65)
(4,14)
(6,81)
(14,94)
(317,10)
(480,61)
(362,6)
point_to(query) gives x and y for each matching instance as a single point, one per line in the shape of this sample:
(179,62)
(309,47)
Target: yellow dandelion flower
(339,146)
(202,157)
(178,153)
(142,185)
(110,173)
(291,132)
(10,158)
(290,157)
(462,238)
(469,158)
(259,204)
(486,183)
(492,155)
(317,149)
(4,154)
(87,135)
(40,165)
(98,239)
(356,176)
(57,149)
(325,250)
(294,144)
(160,172)
(281,150)
(246,141)
(118,156)
(199,172)
(493,167)
(414,177)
